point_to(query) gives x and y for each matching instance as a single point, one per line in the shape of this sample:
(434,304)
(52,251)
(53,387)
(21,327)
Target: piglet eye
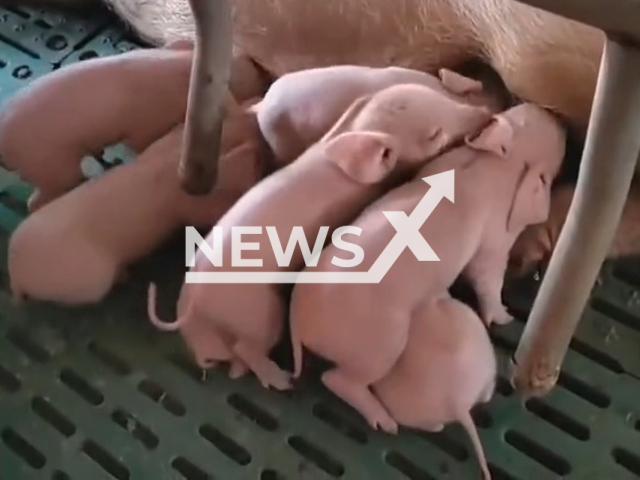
(386,154)
(543,178)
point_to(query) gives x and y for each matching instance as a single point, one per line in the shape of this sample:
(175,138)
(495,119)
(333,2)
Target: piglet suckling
(533,249)
(300,107)
(376,143)
(502,178)
(73,250)
(535,244)
(51,125)
(447,367)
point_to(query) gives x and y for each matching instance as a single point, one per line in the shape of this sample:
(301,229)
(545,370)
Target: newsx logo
(407,236)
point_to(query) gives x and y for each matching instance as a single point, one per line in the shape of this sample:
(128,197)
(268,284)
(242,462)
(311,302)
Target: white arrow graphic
(407,236)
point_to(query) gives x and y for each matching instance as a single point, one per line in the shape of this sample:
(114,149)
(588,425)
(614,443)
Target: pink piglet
(50,126)
(447,367)
(73,250)
(379,140)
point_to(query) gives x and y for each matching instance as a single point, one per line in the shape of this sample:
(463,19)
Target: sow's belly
(290,35)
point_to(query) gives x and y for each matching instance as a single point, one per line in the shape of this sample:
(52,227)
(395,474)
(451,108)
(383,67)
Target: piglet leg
(267,371)
(362,399)
(237,369)
(486,272)
(433,427)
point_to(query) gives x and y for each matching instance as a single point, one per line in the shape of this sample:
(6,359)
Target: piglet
(378,141)
(300,107)
(534,246)
(72,250)
(447,367)
(51,125)
(502,180)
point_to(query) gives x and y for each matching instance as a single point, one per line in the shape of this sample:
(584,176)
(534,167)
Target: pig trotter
(34,201)
(486,274)
(237,369)
(488,392)
(433,428)
(495,313)
(362,399)
(39,199)
(268,372)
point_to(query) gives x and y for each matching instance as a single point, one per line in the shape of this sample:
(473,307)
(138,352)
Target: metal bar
(616,17)
(607,167)
(210,75)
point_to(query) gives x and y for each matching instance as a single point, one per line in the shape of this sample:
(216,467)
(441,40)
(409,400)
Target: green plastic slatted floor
(97,393)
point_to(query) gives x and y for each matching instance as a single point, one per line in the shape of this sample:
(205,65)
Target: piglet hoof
(278,379)
(497,315)
(387,425)
(434,428)
(35,201)
(382,421)
(503,319)
(360,397)
(237,369)
(268,372)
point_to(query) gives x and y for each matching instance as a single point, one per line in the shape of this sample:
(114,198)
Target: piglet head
(535,139)
(533,248)
(399,128)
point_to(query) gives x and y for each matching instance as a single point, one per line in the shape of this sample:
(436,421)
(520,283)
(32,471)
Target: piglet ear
(181,44)
(496,137)
(365,157)
(347,118)
(458,84)
(531,202)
